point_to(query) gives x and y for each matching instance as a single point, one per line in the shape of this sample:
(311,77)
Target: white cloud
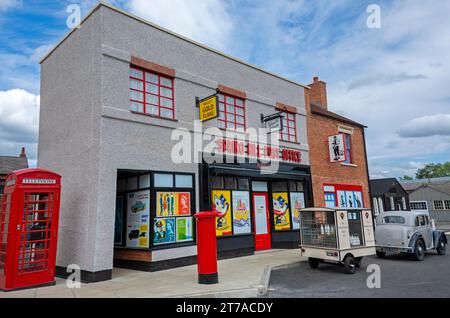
(395,80)
(8,4)
(206,21)
(40,52)
(433,125)
(19,120)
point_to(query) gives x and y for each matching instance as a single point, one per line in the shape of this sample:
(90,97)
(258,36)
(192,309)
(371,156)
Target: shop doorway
(262,223)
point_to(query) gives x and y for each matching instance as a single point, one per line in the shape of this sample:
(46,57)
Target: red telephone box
(29,215)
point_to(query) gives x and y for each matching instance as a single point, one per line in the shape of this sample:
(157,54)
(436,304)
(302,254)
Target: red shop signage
(255,150)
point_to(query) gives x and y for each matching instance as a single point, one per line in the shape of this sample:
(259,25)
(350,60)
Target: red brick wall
(323,171)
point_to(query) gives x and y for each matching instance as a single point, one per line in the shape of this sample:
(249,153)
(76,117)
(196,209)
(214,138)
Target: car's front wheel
(441,247)
(381,254)
(419,252)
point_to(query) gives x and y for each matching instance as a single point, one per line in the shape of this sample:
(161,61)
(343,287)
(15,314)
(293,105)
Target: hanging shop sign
(255,150)
(173,203)
(241,212)
(209,108)
(336,148)
(297,203)
(273,122)
(222,204)
(281,215)
(138,218)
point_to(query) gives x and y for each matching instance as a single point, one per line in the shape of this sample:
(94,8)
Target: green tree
(406,178)
(434,170)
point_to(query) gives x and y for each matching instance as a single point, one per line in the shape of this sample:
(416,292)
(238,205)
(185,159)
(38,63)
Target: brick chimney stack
(318,93)
(23,153)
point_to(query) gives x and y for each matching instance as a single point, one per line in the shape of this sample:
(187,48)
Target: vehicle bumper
(393,249)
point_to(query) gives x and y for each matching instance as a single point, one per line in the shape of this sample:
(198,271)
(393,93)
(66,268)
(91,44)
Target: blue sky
(393,79)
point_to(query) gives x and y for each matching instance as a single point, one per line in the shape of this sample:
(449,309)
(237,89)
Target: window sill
(349,165)
(291,142)
(153,116)
(234,130)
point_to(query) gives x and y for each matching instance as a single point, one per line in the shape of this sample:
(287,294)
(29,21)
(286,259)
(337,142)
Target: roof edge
(341,118)
(107,5)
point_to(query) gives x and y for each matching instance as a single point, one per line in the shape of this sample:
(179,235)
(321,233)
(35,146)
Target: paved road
(400,277)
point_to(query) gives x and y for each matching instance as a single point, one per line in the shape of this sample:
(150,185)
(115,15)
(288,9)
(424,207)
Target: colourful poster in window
(164,231)
(221,201)
(138,218)
(357,196)
(184,229)
(241,212)
(173,204)
(297,203)
(342,199)
(281,215)
(184,203)
(350,199)
(336,148)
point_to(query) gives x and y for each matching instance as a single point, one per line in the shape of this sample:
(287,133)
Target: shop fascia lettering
(256,150)
(251,144)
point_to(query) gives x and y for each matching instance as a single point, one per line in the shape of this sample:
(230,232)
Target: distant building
(9,164)
(431,195)
(388,195)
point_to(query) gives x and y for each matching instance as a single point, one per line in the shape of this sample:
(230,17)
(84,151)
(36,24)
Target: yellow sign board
(209,108)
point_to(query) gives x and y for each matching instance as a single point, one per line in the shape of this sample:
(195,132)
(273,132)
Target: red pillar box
(207,248)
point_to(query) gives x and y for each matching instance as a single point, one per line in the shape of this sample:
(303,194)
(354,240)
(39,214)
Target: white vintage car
(409,232)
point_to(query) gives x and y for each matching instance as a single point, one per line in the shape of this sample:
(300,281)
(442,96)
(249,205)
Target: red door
(35,238)
(261,221)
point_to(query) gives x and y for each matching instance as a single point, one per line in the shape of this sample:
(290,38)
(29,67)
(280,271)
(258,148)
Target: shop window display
(297,203)
(282,218)
(231,200)
(154,213)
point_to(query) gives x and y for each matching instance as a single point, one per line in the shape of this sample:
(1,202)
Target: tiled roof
(315,109)
(10,164)
(412,185)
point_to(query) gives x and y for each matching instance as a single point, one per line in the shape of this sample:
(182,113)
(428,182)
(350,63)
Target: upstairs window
(289,132)
(151,93)
(421,205)
(348,149)
(231,112)
(447,204)
(438,205)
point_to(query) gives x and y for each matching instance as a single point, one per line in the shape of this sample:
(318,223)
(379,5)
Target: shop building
(339,168)
(113,92)
(388,195)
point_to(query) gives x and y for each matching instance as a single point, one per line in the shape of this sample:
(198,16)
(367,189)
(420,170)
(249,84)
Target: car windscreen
(393,219)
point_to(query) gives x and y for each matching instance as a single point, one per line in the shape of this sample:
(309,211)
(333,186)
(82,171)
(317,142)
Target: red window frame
(146,92)
(348,145)
(289,122)
(228,118)
(344,187)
